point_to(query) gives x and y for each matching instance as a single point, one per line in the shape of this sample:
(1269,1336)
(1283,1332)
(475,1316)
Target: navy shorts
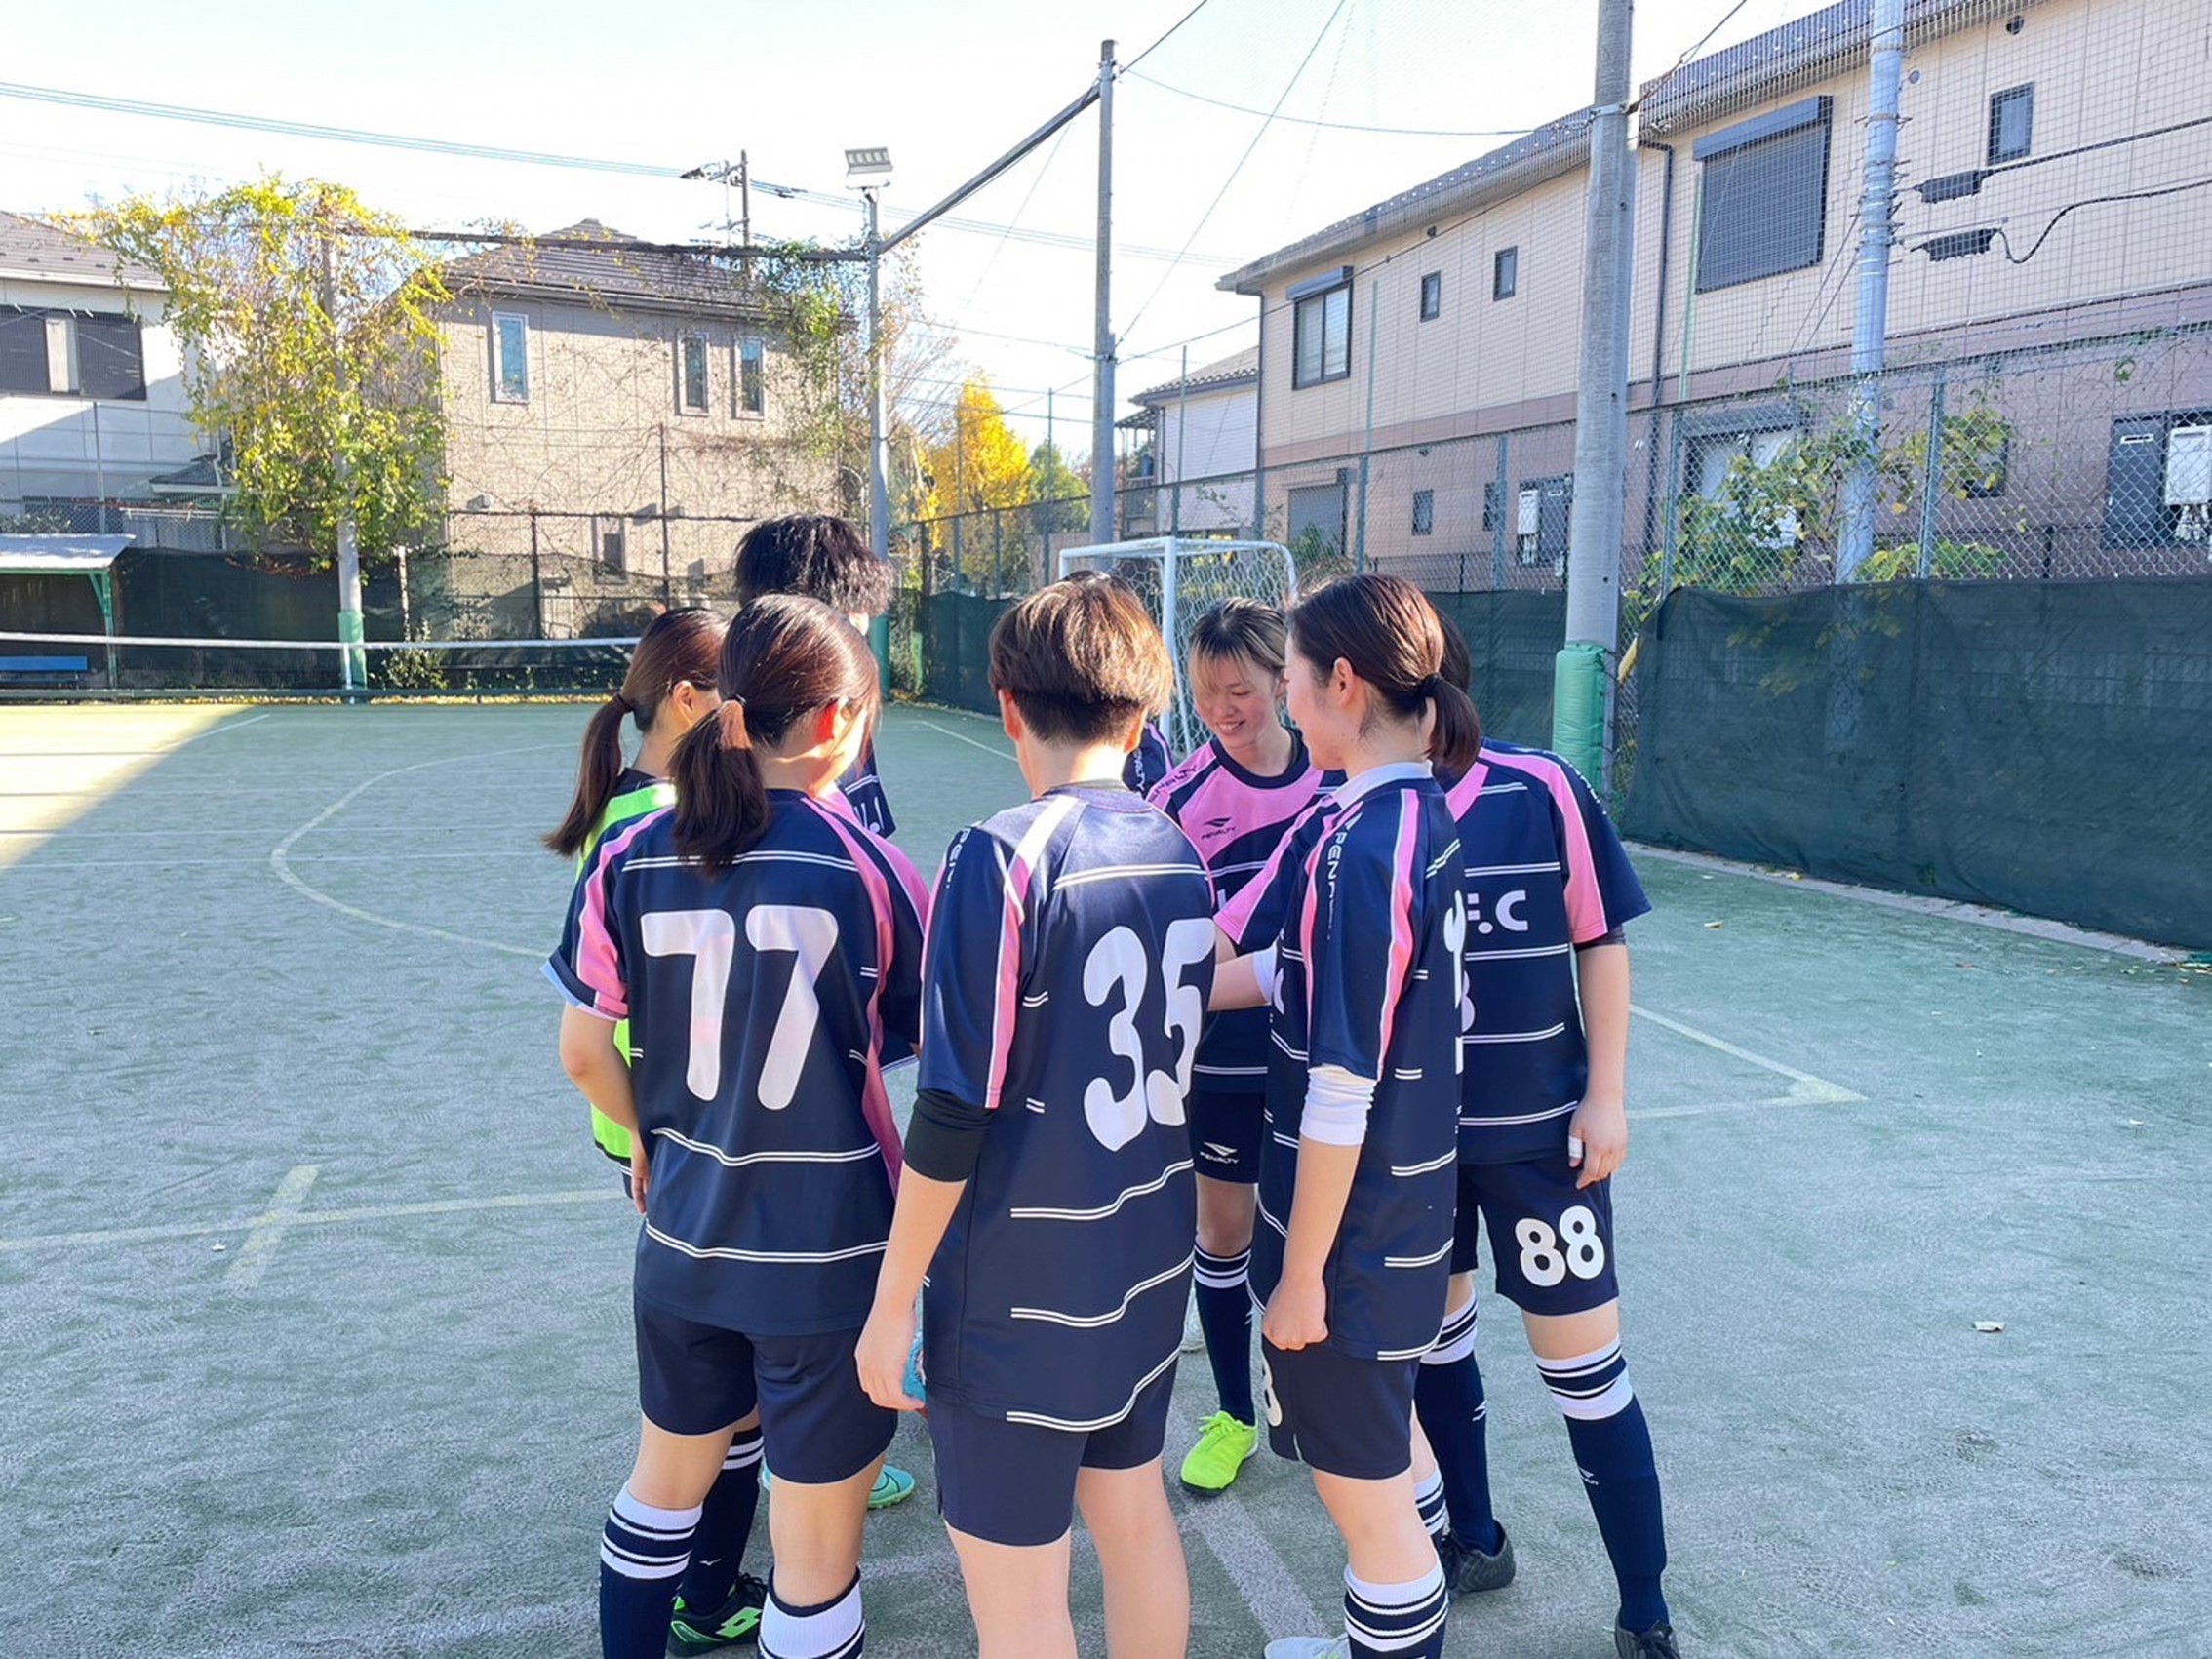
(1552,1244)
(818,1427)
(1225,1135)
(1338,1413)
(1015,1483)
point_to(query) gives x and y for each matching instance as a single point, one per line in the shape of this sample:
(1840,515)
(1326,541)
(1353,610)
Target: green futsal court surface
(314,1330)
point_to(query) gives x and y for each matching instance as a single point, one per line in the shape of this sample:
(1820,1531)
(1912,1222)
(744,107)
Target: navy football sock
(726,1525)
(1612,1445)
(1447,1396)
(1225,1315)
(1397,1621)
(641,1558)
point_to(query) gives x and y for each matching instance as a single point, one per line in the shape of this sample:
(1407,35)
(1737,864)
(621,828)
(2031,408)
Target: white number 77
(711,936)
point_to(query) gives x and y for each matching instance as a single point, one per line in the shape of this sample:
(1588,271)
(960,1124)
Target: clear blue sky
(947,84)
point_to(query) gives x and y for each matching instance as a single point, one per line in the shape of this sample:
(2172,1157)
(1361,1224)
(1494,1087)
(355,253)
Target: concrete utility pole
(1582,681)
(353,664)
(1869,323)
(1102,516)
(879,458)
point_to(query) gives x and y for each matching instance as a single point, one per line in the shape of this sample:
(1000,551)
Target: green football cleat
(737,1621)
(1225,1445)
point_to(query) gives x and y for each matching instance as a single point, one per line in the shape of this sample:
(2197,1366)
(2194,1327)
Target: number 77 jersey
(1069,958)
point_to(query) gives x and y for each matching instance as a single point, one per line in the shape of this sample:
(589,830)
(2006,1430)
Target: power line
(1341,126)
(1327,25)
(1164,39)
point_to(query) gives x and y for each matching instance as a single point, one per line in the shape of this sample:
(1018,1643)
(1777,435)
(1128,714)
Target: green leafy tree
(311,345)
(1058,490)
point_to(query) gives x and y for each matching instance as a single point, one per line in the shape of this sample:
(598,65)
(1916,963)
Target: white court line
(957,738)
(154,861)
(253,1259)
(1805,1089)
(280,856)
(1270,1590)
(309,1218)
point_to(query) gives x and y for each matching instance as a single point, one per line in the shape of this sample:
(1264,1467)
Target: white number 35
(1118,963)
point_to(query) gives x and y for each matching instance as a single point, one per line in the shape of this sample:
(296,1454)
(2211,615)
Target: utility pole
(879,459)
(353,664)
(1582,681)
(1869,323)
(1102,516)
(667,587)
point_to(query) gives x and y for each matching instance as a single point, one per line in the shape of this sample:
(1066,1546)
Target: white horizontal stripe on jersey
(1298,1055)
(1404,1170)
(1270,1220)
(1512,869)
(1100,1322)
(1430,1260)
(1558,1030)
(1239,869)
(1231,1071)
(1505,789)
(1406,1074)
(1524,1117)
(1038,1001)
(1143,1190)
(1282,1139)
(772,856)
(1091,1427)
(1128,872)
(796,1258)
(734,1160)
(1037,1106)
(1513,954)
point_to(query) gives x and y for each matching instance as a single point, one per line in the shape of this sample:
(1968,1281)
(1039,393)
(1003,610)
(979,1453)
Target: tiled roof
(32,248)
(1243,366)
(589,260)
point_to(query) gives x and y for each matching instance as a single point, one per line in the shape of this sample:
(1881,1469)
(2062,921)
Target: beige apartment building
(616,415)
(2053,261)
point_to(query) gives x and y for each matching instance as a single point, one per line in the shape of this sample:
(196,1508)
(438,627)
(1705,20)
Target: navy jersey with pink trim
(1236,820)
(863,792)
(1369,981)
(1069,959)
(1148,761)
(760,1003)
(1545,873)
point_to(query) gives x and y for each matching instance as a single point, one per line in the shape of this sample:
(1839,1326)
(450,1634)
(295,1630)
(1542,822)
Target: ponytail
(782,659)
(595,778)
(720,801)
(1455,741)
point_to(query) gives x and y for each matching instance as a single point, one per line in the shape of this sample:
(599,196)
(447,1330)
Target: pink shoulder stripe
(876,876)
(1585,904)
(597,962)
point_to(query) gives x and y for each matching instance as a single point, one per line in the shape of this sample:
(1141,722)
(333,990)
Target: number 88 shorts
(1553,1246)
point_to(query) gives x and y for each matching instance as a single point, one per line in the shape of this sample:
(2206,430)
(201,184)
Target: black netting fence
(2032,745)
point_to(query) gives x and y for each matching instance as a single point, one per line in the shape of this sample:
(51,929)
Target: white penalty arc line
(958,737)
(280,856)
(251,1262)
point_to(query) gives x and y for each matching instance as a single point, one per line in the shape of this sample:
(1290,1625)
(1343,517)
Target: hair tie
(618,701)
(1432,686)
(729,725)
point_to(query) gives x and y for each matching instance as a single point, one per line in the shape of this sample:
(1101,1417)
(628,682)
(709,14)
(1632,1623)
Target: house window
(1764,202)
(1317,520)
(1716,458)
(692,374)
(2012,122)
(1321,334)
(110,358)
(2159,491)
(1505,273)
(510,358)
(752,377)
(22,352)
(1424,512)
(613,545)
(1432,297)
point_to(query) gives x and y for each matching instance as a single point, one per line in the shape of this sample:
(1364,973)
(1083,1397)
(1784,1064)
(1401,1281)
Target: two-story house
(93,411)
(2053,242)
(615,415)
(1194,471)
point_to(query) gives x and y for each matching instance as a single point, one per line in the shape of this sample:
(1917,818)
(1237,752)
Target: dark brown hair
(1246,628)
(677,646)
(782,659)
(1389,634)
(815,556)
(1082,660)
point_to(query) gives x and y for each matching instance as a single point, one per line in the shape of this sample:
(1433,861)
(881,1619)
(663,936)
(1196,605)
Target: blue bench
(42,667)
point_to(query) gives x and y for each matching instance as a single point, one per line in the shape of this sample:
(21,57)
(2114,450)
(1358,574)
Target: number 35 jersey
(760,1001)
(1070,956)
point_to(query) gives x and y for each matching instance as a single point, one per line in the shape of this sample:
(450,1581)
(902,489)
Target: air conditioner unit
(2189,482)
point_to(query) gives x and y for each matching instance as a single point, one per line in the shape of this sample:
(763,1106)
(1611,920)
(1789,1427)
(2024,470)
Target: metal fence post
(1931,481)
(1505,504)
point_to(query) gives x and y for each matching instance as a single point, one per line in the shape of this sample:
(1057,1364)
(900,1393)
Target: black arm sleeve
(1618,936)
(944,1140)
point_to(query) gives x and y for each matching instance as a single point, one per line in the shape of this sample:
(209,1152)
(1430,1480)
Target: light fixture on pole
(869,171)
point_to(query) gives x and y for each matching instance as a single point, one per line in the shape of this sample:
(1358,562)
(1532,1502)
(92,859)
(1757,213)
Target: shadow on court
(317,1315)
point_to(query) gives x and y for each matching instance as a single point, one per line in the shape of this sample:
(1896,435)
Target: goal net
(1180,579)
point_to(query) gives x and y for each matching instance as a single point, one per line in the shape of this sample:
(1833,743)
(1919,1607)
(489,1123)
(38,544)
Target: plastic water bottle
(914,1382)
